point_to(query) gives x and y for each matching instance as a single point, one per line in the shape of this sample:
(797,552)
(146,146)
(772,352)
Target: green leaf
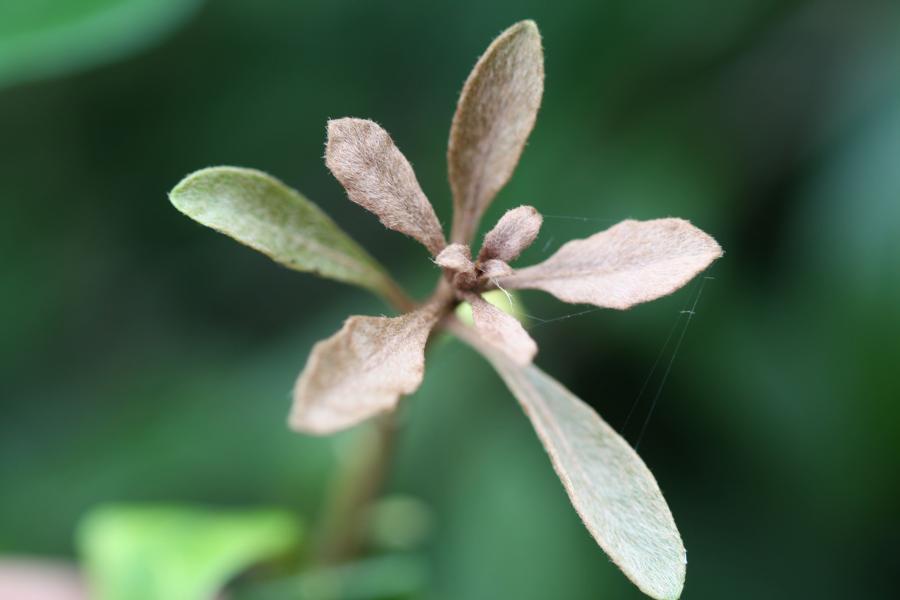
(508,302)
(174,552)
(376,578)
(40,39)
(258,210)
(609,485)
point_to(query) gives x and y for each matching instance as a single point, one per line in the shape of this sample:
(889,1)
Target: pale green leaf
(609,485)
(177,553)
(501,330)
(508,302)
(258,210)
(41,39)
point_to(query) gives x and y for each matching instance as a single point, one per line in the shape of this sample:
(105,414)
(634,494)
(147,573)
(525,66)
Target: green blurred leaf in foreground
(395,576)
(40,38)
(263,213)
(175,552)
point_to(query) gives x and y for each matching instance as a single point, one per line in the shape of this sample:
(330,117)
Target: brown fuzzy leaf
(495,114)
(455,257)
(494,268)
(502,330)
(361,370)
(516,230)
(377,176)
(629,263)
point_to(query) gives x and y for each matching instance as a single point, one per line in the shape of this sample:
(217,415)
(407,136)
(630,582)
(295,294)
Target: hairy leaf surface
(494,116)
(361,370)
(629,263)
(376,175)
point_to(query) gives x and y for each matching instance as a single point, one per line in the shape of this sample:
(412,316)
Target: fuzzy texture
(611,488)
(495,114)
(361,370)
(494,268)
(502,330)
(376,175)
(514,232)
(629,263)
(456,257)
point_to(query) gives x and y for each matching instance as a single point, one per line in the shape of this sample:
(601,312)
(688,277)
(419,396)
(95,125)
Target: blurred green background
(146,359)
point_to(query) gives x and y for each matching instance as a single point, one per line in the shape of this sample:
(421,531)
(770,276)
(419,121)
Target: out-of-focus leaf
(177,553)
(399,522)
(41,39)
(392,576)
(258,210)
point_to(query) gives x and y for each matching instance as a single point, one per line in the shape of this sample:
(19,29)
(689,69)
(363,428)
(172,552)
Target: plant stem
(342,531)
(361,475)
(393,294)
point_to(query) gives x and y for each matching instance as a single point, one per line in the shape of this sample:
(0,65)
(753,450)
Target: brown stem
(394,295)
(342,531)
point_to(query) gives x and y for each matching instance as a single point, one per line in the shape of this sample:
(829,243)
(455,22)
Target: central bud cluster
(513,233)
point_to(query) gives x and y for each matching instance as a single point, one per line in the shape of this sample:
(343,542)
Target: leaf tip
(334,126)
(525,35)
(337,133)
(179,194)
(525,27)
(182,195)
(667,588)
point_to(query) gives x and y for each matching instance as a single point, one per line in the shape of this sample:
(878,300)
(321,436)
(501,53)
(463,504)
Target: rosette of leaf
(367,366)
